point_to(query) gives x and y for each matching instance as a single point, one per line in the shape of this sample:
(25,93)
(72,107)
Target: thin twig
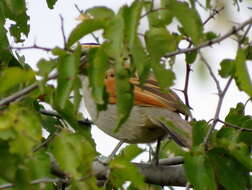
(151,11)
(55,114)
(217,113)
(234,30)
(23,92)
(188,66)
(31,47)
(186,86)
(78,8)
(234,126)
(217,83)
(211,16)
(63,31)
(46,142)
(245,34)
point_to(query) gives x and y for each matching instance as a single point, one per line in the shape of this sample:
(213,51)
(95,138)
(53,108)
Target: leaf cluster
(69,150)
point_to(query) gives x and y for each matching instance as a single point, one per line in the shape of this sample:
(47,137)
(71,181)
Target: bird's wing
(148,94)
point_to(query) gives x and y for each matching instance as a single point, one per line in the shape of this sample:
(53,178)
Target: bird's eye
(112,75)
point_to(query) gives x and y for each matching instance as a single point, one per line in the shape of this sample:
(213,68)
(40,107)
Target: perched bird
(155,113)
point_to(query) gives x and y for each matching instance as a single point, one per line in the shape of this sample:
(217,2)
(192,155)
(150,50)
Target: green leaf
(227,68)
(100,12)
(96,71)
(199,170)
(159,42)
(114,33)
(73,153)
(45,67)
(249,54)
(124,95)
(123,170)
(57,51)
(140,58)
(85,27)
(210,35)
(16,10)
(8,162)
(23,123)
(200,129)
(191,56)
(189,18)
(132,16)
(51,3)
(49,123)
(13,77)
(170,148)
(227,169)
(39,165)
(67,72)
(159,18)
(129,152)
(154,38)
(242,77)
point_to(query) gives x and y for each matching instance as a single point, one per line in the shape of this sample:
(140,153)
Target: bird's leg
(113,153)
(156,158)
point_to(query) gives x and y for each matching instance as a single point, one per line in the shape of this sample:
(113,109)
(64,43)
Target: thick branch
(163,175)
(209,43)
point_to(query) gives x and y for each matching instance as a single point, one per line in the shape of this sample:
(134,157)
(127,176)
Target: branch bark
(209,43)
(163,175)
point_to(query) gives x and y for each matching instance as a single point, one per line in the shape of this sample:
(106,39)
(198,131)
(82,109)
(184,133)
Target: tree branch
(63,31)
(217,83)
(172,161)
(217,113)
(234,30)
(23,92)
(31,47)
(211,16)
(163,175)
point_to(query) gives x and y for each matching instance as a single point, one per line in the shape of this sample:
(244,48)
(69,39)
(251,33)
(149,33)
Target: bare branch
(78,8)
(209,43)
(31,47)
(217,83)
(217,113)
(211,16)
(63,31)
(186,86)
(188,66)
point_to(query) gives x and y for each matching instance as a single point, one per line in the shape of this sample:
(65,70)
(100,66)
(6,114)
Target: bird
(155,113)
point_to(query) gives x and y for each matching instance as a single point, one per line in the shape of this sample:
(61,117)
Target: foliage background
(45,22)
